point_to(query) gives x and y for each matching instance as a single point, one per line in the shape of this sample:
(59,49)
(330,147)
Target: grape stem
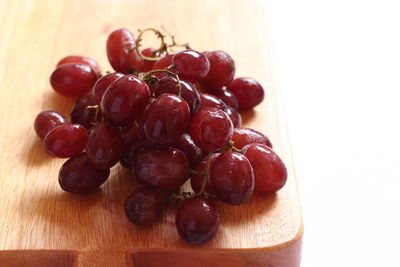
(149,76)
(205,174)
(233,148)
(163,47)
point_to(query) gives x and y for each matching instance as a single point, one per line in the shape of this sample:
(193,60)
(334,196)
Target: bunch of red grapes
(169,118)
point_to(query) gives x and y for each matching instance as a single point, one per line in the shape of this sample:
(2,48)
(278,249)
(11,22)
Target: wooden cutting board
(41,225)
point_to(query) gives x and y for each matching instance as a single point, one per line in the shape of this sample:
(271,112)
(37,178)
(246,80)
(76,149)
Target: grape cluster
(169,118)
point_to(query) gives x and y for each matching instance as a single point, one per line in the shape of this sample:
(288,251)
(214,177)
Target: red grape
(227,97)
(147,64)
(245,136)
(78,175)
(163,63)
(196,179)
(102,84)
(210,101)
(197,220)
(168,84)
(191,65)
(104,146)
(193,153)
(248,92)
(166,169)
(166,120)
(222,70)
(124,100)
(235,117)
(82,60)
(66,140)
(232,178)
(83,115)
(269,170)
(73,79)
(47,121)
(121,53)
(211,129)
(145,206)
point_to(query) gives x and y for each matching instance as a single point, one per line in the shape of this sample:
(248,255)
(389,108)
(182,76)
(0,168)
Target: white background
(339,68)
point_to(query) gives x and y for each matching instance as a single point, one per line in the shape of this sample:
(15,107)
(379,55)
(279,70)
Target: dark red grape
(147,64)
(121,53)
(73,79)
(82,60)
(197,220)
(191,65)
(102,84)
(66,140)
(227,97)
(196,179)
(104,146)
(222,70)
(248,92)
(269,170)
(82,114)
(78,175)
(46,121)
(166,120)
(168,84)
(232,178)
(145,206)
(245,136)
(211,129)
(124,100)
(193,153)
(235,117)
(134,143)
(210,101)
(166,169)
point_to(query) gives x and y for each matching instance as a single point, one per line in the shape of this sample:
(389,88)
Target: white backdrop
(339,68)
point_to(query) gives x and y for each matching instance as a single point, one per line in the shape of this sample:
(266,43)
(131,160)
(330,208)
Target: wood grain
(92,230)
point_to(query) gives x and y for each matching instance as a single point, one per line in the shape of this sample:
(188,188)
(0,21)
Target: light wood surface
(43,226)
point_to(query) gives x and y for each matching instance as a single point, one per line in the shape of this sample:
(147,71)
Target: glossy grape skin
(124,100)
(211,101)
(121,53)
(147,65)
(82,60)
(269,170)
(211,129)
(83,115)
(166,169)
(102,84)
(197,220)
(192,152)
(73,79)
(196,179)
(166,120)
(232,178)
(245,136)
(248,92)
(227,97)
(79,175)
(104,146)
(191,65)
(222,70)
(163,63)
(168,84)
(145,206)
(46,121)
(66,140)
(235,116)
